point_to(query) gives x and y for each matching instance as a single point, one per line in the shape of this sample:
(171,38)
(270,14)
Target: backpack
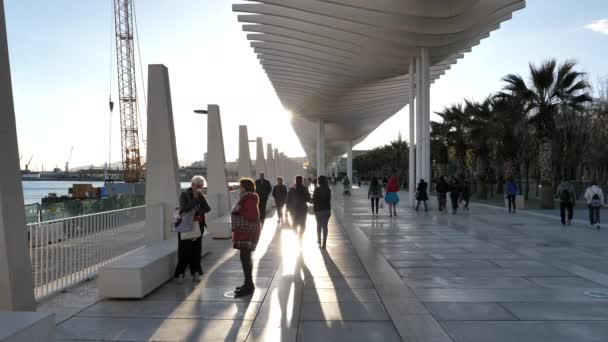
(564,196)
(595,200)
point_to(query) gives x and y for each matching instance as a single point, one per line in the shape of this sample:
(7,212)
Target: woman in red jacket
(391,198)
(246,230)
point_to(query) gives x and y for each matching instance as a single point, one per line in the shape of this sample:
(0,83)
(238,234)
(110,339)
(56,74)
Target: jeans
(594,215)
(511,200)
(442,199)
(563,208)
(322,222)
(454,200)
(188,255)
(247,266)
(418,205)
(375,201)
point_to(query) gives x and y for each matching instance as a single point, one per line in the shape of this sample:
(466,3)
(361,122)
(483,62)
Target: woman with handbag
(192,206)
(246,230)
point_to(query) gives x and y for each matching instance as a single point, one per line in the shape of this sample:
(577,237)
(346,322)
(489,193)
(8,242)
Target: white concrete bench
(139,273)
(27,326)
(219,227)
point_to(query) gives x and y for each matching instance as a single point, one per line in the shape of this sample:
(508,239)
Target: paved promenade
(483,275)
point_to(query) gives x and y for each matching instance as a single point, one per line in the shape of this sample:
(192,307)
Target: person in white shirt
(595,200)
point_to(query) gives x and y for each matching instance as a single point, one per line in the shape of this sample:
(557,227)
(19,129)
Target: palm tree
(456,119)
(551,89)
(509,117)
(482,134)
(439,145)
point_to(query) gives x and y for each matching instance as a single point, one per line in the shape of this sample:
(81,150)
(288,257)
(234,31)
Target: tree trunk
(545,165)
(482,178)
(527,175)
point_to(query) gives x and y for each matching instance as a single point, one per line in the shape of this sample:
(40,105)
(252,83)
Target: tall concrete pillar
(412,141)
(277,163)
(244,156)
(16,284)
(217,187)
(162,173)
(426,115)
(349,161)
(418,74)
(284,170)
(271,176)
(321,148)
(260,163)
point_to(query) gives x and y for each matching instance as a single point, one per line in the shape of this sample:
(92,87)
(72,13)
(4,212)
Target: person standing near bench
(279,193)
(190,244)
(565,193)
(246,230)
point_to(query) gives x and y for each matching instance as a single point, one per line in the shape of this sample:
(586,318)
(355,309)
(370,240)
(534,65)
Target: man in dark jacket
(279,193)
(263,188)
(442,193)
(565,193)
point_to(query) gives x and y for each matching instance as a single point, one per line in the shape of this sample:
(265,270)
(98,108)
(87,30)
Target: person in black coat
(279,193)
(189,250)
(263,188)
(298,198)
(422,194)
(455,190)
(442,193)
(321,200)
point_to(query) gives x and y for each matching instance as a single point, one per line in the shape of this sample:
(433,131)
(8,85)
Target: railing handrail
(87,215)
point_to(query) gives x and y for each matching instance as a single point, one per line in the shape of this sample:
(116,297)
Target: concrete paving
(482,275)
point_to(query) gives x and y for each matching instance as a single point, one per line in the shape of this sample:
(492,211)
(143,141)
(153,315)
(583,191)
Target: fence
(67,251)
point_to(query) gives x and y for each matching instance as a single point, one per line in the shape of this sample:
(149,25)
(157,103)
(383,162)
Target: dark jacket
(187,202)
(442,187)
(511,188)
(422,195)
(297,199)
(279,193)
(321,199)
(263,188)
(374,191)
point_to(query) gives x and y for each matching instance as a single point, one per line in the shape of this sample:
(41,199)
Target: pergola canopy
(346,62)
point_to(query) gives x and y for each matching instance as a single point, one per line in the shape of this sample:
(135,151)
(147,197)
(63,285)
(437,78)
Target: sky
(63,70)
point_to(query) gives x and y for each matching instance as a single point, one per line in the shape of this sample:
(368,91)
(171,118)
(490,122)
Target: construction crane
(127,90)
(27,165)
(67,164)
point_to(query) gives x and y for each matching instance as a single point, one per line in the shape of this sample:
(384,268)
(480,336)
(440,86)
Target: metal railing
(67,251)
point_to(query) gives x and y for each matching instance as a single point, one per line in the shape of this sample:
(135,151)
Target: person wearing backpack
(595,200)
(565,193)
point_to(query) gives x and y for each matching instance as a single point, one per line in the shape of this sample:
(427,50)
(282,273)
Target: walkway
(484,276)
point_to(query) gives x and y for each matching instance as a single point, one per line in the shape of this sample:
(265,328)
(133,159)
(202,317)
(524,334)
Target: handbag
(192,235)
(185,221)
(381,205)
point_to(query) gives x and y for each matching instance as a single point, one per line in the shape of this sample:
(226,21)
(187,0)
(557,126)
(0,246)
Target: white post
(349,161)
(260,164)
(271,176)
(16,283)
(321,149)
(244,156)
(412,139)
(426,116)
(162,174)
(217,187)
(419,163)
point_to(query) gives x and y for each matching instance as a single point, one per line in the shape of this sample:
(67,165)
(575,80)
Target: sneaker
(598,227)
(197,277)
(180,279)
(244,291)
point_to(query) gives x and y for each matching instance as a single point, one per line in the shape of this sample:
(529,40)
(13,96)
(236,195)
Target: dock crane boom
(127,90)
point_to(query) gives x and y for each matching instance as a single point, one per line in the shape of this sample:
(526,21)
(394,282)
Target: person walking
(374,194)
(298,198)
(246,231)
(595,200)
(511,191)
(566,195)
(422,194)
(346,185)
(455,190)
(321,200)
(392,198)
(263,188)
(466,193)
(442,193)
(189,245)
(279,193)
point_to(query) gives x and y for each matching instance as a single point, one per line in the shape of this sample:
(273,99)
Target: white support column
(244,155)
(412,139)
(284,171)
(260,163)
(321,149)
(349,161)
(217,187)
(418,74)
(277,163)
(162,174)
(426,116)
(271,176)
(16,284)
